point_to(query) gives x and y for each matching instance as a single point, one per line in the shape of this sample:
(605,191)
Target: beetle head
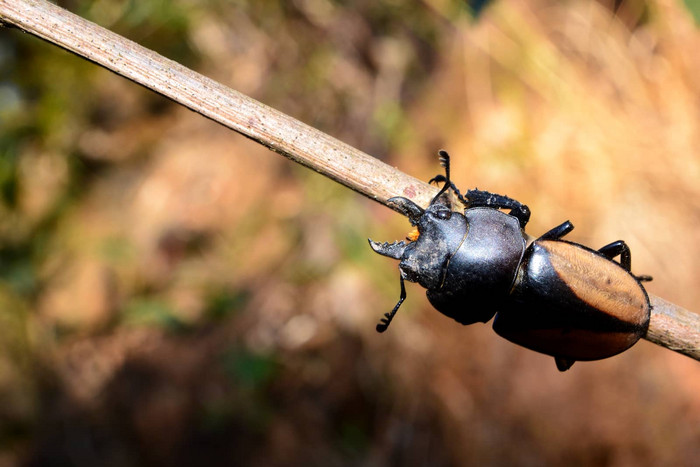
(440,233)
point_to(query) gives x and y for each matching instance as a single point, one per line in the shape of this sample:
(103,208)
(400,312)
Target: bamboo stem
(671,326)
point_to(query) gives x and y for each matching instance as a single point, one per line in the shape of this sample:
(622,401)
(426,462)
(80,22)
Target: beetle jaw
(392,250)
(406,207)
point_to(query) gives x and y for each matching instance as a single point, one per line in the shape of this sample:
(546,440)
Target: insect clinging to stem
(550,295)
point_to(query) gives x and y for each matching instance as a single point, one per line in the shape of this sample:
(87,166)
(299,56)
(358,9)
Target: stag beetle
(550,295)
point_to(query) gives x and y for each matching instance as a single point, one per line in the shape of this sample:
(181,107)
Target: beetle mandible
(550,295)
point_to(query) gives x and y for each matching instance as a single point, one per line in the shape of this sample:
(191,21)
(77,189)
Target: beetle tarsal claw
(392,250)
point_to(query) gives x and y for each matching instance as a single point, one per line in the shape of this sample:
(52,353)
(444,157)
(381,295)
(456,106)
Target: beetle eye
(443,214)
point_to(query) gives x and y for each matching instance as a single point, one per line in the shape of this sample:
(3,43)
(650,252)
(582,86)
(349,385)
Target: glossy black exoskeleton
(549,295)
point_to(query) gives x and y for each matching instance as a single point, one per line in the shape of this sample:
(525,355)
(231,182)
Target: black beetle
(549,295)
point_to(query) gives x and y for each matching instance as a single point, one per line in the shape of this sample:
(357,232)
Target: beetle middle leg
(563,364)
(558,232)
(621,249)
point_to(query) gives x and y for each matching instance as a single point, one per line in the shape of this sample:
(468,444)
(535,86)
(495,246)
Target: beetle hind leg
(563,364)
(618,248)
(621,249)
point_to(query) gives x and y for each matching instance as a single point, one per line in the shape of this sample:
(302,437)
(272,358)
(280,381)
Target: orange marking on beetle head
(413,235)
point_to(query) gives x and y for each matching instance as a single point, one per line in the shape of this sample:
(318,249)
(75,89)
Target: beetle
(549,295)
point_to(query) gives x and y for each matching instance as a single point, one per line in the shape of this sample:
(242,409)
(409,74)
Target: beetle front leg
(384,324)
(445,162)
(479,198)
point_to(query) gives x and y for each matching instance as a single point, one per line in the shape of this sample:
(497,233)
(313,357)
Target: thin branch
(671,326)
(674,327)
(269,127)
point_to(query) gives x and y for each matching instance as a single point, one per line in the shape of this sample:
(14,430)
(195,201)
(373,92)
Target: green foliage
(221,304)
(152,312)
(694,7)
(252,370)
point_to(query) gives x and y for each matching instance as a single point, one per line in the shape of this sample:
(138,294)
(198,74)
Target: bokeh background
(173,294)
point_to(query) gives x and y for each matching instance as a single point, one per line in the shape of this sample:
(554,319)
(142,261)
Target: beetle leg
(563,364)
(558,232)
(384,323)
(477,198)
(618,248)
(621,249)
(445,162)
(441,179)
(448,184)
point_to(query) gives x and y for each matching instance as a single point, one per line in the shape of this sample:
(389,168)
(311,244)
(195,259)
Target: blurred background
(172,294)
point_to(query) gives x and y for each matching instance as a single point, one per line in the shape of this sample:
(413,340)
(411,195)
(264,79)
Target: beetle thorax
(467,262)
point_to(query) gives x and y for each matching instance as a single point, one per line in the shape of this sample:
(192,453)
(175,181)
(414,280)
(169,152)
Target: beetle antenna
(384,324)
(445,162)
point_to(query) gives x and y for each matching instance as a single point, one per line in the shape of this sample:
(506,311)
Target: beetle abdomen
(572,302)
